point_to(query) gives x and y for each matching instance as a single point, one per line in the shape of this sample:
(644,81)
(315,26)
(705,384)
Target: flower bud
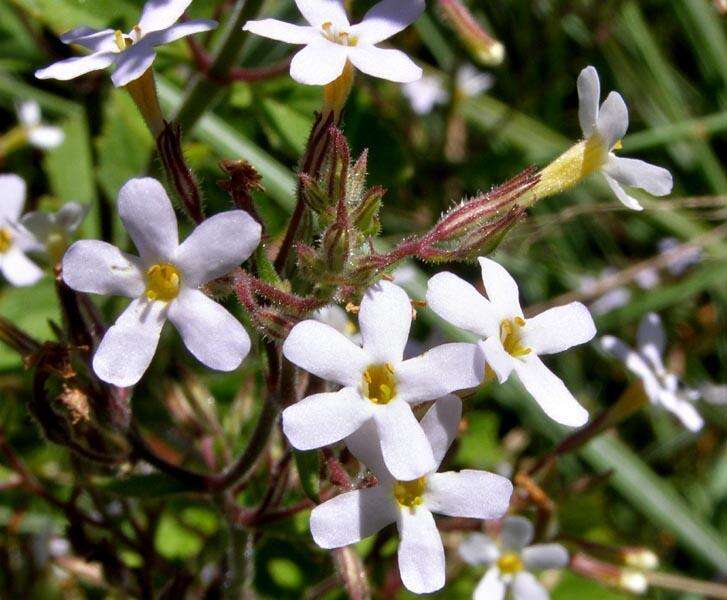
(365,216)
(640,558)
(633,581)
(336,247)
(483,47)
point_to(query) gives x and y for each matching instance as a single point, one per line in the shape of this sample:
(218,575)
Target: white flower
(511,342)
(661,386)
(510,561)
(355,515)
(379,387)
(45,137)
(610,300)
(338,318)
(55,230)
(164,283)
(678,266)
(331,41)
(133,52)
(603,129)
(15,240)
(429,91)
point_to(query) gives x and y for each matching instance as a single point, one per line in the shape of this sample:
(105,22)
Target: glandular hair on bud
(633,581)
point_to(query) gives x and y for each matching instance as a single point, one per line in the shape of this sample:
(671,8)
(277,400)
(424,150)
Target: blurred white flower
(355,515)
(164,283)
(679,265)
(430,91)
(379,387)
(55,230)
(611,300)
(603,129)
(662,387)
(45,137)
(15,240)
(647,279)
(331,41)
(511,342)
(511,560)
(132,53)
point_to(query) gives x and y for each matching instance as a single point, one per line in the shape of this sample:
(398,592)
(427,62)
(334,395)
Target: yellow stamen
(511,339)
(410,494)
(618,145)
(6,239)
(162,282)
(379,383)
(510,563)
(121,41)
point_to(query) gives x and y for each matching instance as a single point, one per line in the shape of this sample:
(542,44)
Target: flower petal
(559,328)
(317,12)
(128,347)
(626,199)
(148,216)
(320,349)
(468,494)
(92,39)
(589,94)
(525,586)
(132,63)
(40,224)
(353,516)
(545,556)
(405,448)
(439,371)
(385,63)
(365,446)
(18,269)
(550,392)
(324,419)
(501,289)
(28,113)
(479,549)
(282,31)
(421,553)
(613,119)
(635,363)
(638,173)
(178,31)
(46,137)
(497,358)
(651,340)
(70,216)
(491,586)
(460,304)
(441,425)
(216,246)
(96,267)
(319,63)
(76,66)
(387,18)
(385,319)
(216,338)
(160,14)
(516,533)
(12,197)
(687,414)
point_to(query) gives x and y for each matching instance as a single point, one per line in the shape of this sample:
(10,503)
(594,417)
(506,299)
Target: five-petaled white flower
(511,342)
(164,283)
(15,240)
(352,516)
(45,137)
(510,561)
(661,386)
(133,52)
(379,386)
(603,129)
(331,41)
(55,230)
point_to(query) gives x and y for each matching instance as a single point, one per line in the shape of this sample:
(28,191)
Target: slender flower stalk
(482,46)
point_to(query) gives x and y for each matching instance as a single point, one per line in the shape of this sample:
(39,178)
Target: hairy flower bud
(483,47)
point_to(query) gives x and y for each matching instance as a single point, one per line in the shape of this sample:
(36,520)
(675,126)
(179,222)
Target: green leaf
(287,124)
(309,468)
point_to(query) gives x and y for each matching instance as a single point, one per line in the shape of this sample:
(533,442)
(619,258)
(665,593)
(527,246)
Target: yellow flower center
(410,494)
(379,383)
(6,239)
(510,563)
(511,339)
(162,282)
(338,37)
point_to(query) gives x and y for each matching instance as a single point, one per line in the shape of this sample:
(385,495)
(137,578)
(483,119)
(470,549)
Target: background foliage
(668,488)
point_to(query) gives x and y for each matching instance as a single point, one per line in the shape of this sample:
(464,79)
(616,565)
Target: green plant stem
(205,87)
